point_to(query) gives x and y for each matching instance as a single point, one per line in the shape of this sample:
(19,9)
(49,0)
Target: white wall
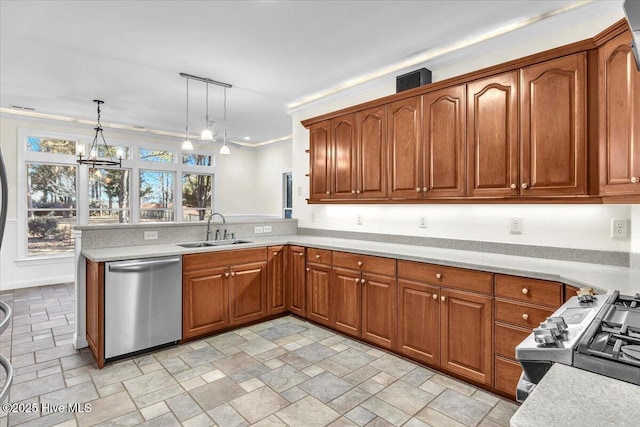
(235,191)
(574,226)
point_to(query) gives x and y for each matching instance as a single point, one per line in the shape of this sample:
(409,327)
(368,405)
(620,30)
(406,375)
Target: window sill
(44,260)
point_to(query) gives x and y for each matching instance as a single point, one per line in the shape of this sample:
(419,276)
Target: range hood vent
(632,12)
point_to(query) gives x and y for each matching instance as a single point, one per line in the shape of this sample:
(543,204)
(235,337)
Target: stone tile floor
(281,372)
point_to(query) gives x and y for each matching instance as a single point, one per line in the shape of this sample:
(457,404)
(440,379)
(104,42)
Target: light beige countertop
(569,397)
(603,277)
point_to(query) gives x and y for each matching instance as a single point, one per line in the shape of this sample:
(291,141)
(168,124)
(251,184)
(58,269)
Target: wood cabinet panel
(225,258)
(419,321)
(276,279)
(444,113)
(371,136)
(619,106)
(477,281)
(570,291)
(368,263)
(379,311)
(507,338)
(507,375)
(296,290)
(95,309)
(347,301)
(467,335)
(319,294)
(343,140)
(248,292)
(527,290)
(319,256)
(205,299)
(521,314)
(492,137)
(320,165)
(553,123)
(405,149)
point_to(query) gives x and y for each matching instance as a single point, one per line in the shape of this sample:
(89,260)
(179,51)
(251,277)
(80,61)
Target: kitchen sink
(213,243)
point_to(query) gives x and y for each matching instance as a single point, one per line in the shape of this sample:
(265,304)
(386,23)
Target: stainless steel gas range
(599,333)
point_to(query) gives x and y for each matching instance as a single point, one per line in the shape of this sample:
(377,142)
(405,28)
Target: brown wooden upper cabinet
(343,159)
(405,149)
(619,116)
(553,127)
(320,170)
(371,165)
(492,137)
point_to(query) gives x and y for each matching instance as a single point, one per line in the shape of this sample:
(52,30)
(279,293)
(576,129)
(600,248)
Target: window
(114,151)
(159,156)
(196,196)
(51,208)
(109,196)
(197,159)
(287,198)
(51,145)
(156,195)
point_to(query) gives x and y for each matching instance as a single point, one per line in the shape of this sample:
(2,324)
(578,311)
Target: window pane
(50,145)
(197,159)
(113,151)
(288,213)
(51,186)
(50,231)
(150,155)
(196,196)
(289,191)
(108,195)
(156,196)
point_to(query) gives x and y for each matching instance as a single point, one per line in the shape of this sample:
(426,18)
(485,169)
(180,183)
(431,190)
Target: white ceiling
(57,56)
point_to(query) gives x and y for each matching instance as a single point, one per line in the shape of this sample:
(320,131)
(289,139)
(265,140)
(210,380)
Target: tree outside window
(156,196)
(109,196)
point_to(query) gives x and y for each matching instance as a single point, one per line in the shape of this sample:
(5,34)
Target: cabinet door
(296,294)
(205,302)
(419,321)
(492,136)
(405,149)
(553,127)
(276,280)
(466,335)
(95,310)
(346,301)
(444,142)
(343,138)
(320,170)
(248,292)
(619,125)
(371,137)
(379,311)
(319,294)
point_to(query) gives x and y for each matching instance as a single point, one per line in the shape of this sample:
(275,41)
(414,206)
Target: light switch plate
(258,230)
(267,229)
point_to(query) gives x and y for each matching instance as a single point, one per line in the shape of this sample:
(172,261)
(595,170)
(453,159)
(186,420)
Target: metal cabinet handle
(435,296)
(357,280)
(359,263)
(353,191)
(443,298)
(418,189)
(328,192)
(308,269)
(525,291)
(362,281)
(525,316)
(438,276)
(358,191)
(301,254)
(233,273)
(513,186)
(275,253)
(226,274)
(425,189)
(524,185)
(317,256)
(635,179)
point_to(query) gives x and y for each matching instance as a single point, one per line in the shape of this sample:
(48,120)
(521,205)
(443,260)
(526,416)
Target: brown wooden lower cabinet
(346,301)
(319,294)
(296,288)
(379,312)
(205,302)
(507,375)
(248,292)
(276,279)
(419,321)
(95,309)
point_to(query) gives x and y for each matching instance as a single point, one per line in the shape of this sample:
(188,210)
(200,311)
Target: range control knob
(559,324)
(544,336)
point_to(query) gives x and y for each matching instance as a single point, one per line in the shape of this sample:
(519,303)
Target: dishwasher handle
(141,265)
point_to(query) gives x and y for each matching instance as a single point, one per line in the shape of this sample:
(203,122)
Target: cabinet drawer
(507,338)
(507,374)
(471,280)
(319,256)
(520,314)
(204,260)
(533,291)
(370,264)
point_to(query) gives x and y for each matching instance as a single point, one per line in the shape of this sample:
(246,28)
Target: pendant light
(93,159)
(207,134)
(225,148)
(187,145)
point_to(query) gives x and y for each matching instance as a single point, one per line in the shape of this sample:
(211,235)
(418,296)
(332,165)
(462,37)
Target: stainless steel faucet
(224,221)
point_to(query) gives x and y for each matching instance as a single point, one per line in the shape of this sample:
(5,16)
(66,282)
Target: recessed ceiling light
(247,138)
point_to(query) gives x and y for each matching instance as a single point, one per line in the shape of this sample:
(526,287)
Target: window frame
(284,194)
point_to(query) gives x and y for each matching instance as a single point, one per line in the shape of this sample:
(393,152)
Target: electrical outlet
(267,229)
(150,235)
(313,217)
(423,222)
(258,230)
(299,191)
(359,220)
(619,228)
(516,225)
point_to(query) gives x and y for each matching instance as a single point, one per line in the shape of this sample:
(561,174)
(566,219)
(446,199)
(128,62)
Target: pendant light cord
(186,132)
(206,124)
(225,116)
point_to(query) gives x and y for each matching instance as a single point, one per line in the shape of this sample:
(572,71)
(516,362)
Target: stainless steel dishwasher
(142,304)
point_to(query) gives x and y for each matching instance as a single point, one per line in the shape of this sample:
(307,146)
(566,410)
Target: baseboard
(30,283)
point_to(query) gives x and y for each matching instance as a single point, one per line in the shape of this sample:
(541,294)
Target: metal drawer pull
(301,254)
(525,291)
(308,269)
(435,296)
(525,316)
(317,256)
(443,298)
(357,280)
(226,274)
(275,253)
(360,263)
(438,276)
(233,273)
(362,280)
